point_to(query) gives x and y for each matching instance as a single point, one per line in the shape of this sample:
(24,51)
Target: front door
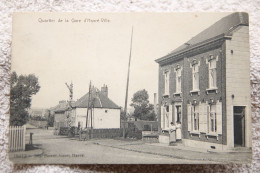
(178,118)
(239,126)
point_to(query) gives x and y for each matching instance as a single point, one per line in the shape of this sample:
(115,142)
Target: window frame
(212,115)
(166,82)
(212,68)
(195,116)
(195,71)
(178,113)
(178,80)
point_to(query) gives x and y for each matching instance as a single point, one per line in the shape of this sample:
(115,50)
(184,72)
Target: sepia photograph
(130,88)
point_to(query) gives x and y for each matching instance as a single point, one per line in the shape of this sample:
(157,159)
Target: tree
(143,109)
(49,117)
(22,89)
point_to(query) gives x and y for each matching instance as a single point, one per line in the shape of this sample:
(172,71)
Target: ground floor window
(166,116)
(178,113)
(205,118)
(196,117)
(212,118)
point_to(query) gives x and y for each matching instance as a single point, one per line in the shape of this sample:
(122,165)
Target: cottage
(204,87)
(59,111)
(103,112)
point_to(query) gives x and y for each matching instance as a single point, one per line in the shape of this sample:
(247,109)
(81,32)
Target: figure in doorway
(172,133)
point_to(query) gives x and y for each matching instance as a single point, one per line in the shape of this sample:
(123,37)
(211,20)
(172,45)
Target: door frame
(243,119)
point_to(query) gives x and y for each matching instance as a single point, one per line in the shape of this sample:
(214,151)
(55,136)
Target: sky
(79,47)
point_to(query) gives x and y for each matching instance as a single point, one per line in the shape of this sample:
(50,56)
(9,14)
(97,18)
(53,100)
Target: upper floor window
(178,80)
(195,77)
(212,72)
(166,82)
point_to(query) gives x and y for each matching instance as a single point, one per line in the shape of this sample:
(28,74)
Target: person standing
(178,131)
(172,133)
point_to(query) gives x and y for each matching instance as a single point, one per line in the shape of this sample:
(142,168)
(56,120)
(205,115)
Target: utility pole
(70,87)
(89,99)
(127,84)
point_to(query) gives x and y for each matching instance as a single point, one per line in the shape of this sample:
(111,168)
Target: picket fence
(17,138)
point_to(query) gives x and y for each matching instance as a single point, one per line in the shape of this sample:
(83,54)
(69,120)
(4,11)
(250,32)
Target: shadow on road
(29,147)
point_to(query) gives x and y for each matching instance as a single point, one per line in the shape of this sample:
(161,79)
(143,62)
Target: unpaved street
(49,148)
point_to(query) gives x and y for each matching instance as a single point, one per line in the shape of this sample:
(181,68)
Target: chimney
(104,90)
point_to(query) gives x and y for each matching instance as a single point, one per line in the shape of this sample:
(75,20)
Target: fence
(17,138)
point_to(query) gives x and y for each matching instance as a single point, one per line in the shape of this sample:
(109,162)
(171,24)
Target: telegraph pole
(89,90)
(70,87)
(127,84)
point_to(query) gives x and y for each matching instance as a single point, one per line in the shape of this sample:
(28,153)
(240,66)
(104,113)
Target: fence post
(24,132)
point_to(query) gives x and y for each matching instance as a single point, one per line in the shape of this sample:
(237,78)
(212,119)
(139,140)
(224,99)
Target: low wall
(141,125)
(99,133)
(151,137)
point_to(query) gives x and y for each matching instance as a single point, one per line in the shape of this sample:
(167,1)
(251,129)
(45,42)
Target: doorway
(239,126)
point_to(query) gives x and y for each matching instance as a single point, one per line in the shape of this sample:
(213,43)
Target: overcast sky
(59,52)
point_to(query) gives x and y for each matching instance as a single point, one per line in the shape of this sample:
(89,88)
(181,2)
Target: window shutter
(175,115)
(203,117)
(207,110)
(189,112)
(170,114)
(162,117)
(219,117)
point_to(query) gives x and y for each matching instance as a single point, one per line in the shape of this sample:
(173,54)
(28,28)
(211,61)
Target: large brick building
(205,86)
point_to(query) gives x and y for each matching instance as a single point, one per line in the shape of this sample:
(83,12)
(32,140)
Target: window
(212,73)
(212,119)
(195,77)
(196,118)
(178,113)
(178,80)
(166,82)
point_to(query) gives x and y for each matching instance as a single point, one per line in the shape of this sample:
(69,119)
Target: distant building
(59,111)
(37,112)
(103,112)
(205,86)
(130,118)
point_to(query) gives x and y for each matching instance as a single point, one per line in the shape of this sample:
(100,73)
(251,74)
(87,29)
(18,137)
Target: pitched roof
(221,28)
(99,101)
(61,107)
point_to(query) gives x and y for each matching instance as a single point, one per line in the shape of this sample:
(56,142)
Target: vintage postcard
(130,88)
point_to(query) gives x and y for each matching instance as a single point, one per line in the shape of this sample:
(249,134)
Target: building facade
(204,85)
(103,112)
(60,116)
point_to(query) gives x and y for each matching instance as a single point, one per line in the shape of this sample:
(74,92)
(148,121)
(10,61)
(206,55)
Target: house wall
(59,118)
(106,118)
(101,118)
(202,96)
(238,81)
